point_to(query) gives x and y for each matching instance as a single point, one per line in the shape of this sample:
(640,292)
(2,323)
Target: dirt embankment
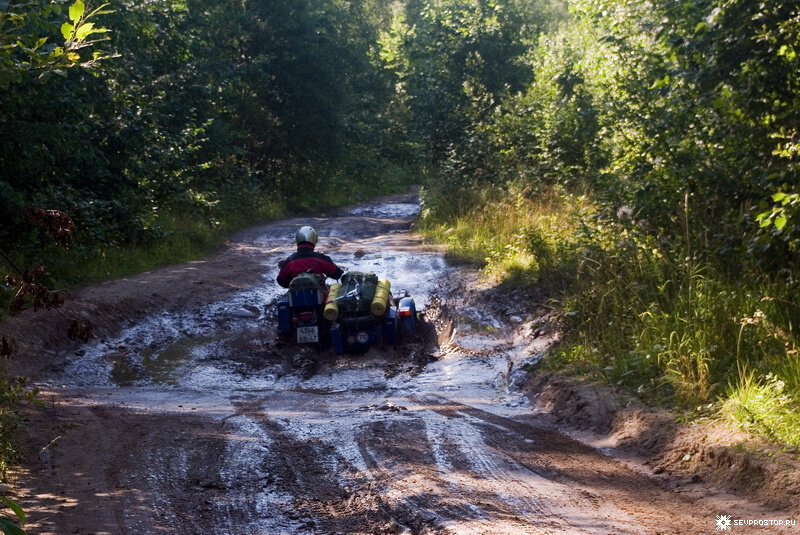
(701,455)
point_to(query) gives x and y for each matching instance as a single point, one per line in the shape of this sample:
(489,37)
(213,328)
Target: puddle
(334,391)
(166,348)
(216,347)
(229,346)
(159,367)
(393,210)
(476,320)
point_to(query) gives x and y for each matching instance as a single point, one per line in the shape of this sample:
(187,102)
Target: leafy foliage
(288,109)
(454,60)
(8,526)
(22,50)
(677,123)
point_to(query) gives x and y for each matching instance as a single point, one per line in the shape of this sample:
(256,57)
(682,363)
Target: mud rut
(197,421)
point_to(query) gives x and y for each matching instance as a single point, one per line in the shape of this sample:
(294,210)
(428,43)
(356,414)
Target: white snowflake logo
(724,522)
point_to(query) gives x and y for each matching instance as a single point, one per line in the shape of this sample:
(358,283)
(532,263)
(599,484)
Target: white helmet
(306,235)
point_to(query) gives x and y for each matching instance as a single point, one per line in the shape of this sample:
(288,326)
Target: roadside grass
(12,393)
(174,237)
(664,321)
(184,240)
(511,236)
(764,406)
(181,238)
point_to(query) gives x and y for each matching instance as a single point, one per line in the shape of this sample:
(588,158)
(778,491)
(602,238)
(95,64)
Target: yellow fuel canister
(381,299)
(331,311)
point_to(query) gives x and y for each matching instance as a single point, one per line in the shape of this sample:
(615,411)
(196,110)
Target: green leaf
(780,222)
(14,506)
(76,11)
(661,82)
(84,30)
(788,52)
(66,30)
(10,528)
(100,11)
(778,197)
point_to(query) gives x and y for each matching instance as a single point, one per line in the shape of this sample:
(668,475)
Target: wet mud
(194,417)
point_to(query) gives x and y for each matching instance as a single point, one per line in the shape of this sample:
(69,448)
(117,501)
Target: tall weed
(668,325)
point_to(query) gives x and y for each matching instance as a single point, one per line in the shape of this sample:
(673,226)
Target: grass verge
(663,319)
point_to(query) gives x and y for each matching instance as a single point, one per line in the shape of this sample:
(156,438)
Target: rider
(306,259)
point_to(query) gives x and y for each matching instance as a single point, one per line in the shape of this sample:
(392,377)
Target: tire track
(591,493)
(308,487)
(503,495)
(521,491)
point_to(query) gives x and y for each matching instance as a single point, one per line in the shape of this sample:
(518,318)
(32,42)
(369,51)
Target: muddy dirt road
(186,416)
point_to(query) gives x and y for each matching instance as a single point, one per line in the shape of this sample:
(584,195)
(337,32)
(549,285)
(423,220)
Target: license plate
(307,335)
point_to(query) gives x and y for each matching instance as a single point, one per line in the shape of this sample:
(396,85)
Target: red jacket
(307,260)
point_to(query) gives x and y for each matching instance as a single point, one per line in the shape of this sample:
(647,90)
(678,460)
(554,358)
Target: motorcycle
(354,315)
(300,310)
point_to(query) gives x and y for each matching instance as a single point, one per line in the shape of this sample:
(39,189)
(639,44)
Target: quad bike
(352,316)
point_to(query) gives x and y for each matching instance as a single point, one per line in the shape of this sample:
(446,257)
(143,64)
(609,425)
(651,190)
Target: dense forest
(636,160)
(183,116)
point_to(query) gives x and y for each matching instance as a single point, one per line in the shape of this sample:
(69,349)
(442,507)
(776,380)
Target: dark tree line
(198,110)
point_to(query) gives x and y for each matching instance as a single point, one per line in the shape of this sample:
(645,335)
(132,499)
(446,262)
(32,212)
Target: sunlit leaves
(77,32)
(788,52)
(23,51)
(785,211)
(67,30)
(76,11)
